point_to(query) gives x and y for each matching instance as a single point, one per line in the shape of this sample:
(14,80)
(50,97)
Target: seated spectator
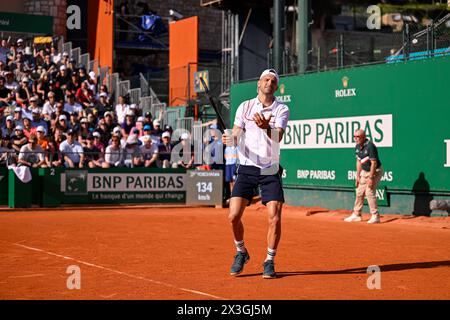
(82,74)
(186,152)
(165,151)
(52,156)
(93,155)
(103,89)
(55,87)
(133,157)
(18,139)
(23,95)
(149,152)
(74,84)
(63,78)
(27,128)
(4,93)
(62,123)
(74,123)
(109,121)
(102,105)
(10,83)
(146,131)
(8,129)
(43,86)
(114,154)
(7,154)
(49,106)
(92,80)
(41,137)
(157,131)
(148,120)
(98,141)
(72,106)
(31,154)
(18,120)
(128,124)
(72,151)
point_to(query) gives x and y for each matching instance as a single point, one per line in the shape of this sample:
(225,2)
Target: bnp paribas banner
(97,186)
(404,109)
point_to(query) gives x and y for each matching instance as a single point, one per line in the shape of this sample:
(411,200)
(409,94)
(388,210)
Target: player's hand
(227,140)
(261,121)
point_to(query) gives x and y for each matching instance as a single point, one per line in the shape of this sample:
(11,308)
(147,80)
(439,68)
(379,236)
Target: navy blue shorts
(249,178)
(230,172)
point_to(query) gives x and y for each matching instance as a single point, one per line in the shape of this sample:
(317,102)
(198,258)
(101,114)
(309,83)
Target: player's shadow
(361,270)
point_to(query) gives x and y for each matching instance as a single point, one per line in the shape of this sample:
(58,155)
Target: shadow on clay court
(361,270)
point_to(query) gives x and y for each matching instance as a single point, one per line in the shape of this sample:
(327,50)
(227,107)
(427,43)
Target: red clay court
(186,253)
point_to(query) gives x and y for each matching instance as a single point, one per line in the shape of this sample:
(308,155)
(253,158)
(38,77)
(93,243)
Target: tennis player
(258,128)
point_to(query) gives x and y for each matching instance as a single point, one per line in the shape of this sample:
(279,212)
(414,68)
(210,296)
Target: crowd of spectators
(55,113)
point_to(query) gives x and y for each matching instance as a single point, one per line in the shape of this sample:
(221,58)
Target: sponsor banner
(337,132)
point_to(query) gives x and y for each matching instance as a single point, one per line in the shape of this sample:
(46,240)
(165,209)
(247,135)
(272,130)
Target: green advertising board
(403,107)
(28,23)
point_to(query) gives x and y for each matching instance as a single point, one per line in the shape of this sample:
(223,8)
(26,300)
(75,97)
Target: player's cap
(271,72)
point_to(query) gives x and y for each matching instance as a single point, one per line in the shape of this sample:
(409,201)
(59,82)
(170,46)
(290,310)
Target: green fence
(404,108)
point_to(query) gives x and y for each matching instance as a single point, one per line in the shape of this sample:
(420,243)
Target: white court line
(120,272)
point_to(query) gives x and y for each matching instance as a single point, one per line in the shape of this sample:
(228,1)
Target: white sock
(240,247)
(271,253)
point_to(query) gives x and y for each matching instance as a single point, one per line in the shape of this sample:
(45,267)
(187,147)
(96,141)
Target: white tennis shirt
(255,147)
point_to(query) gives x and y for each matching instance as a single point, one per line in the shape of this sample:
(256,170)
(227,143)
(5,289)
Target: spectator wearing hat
(164,152)
(93,157)
(63,77)
(62,123)
(157,131)
(64,61)
(8,129)
(85,96)
(31,154)
(98,141)
(36,119)
(72,151)
(18,139)
(186,152)
(102,105)
(149,152)
(41,137)
(17,115)
(92,80)
(118,132)
(133,157)
(114,153)
(74,123)
(146,131)
(28,58)
(128,124)
(49,107)
(20,45)
(34,104)
(148,119)
(84,128)
(23,95)
(72,106)
(109,121)
(121,109)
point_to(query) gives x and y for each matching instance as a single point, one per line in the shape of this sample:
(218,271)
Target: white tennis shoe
(374,219)
(353,218)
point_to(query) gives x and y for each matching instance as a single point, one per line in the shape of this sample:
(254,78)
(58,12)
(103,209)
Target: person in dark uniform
(368,175)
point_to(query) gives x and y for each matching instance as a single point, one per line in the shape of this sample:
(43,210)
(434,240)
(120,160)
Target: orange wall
(183,52)
(101,31)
